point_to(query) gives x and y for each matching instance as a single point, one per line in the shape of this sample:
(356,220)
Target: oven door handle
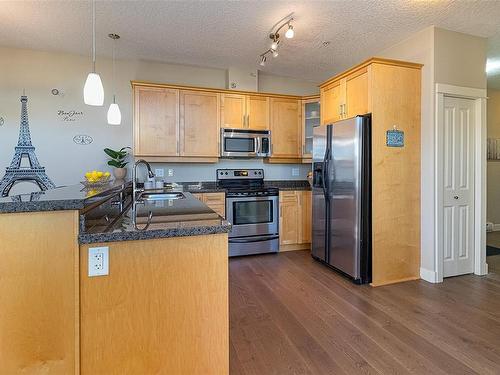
(253,239)
(273,198)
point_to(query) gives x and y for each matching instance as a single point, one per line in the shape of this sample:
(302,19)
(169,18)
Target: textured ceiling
(233,33)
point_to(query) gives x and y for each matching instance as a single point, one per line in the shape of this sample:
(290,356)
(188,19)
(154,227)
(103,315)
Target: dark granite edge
(60,204)
(87,238)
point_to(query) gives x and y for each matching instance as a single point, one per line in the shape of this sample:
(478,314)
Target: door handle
(455,197)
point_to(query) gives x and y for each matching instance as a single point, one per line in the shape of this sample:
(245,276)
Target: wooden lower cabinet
(163,308)
(39,293)
(216,201)
(295,220)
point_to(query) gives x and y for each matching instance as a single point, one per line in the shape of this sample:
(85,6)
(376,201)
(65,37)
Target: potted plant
(118,161)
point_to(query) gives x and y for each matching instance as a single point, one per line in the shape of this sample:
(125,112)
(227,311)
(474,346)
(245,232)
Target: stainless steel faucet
(135,190)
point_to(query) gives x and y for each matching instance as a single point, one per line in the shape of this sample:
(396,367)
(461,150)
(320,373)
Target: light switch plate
(98,261)
(295,172)
(159,172)
(170,172)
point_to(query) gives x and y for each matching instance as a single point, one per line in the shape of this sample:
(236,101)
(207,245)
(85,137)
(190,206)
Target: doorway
(460,181)
(458,190)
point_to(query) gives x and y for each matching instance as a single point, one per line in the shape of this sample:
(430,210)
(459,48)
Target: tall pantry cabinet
(390,91)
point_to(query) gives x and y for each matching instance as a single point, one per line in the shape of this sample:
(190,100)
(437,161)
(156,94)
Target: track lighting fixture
(276,37)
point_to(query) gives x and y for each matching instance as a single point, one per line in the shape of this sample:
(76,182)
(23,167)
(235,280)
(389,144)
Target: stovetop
(244,182)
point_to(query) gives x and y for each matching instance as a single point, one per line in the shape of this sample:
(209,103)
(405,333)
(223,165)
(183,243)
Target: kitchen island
(162,307)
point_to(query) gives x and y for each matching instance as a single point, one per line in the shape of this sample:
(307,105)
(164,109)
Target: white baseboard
(428,275)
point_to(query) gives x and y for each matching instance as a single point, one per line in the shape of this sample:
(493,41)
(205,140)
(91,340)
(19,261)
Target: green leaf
(111,153)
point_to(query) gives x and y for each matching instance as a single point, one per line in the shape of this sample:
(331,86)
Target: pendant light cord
(93,36)
(113,79)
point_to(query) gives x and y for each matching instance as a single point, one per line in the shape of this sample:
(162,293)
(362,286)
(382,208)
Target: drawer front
(214,198)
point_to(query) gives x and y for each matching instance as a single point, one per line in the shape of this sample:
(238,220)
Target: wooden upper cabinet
(356,93)
(286,128)
(332,99)
(156,124)
(199,123)
(233,111)
(257,111)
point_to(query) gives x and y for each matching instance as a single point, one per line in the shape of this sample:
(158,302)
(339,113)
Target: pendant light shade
(114,114)
(93,92)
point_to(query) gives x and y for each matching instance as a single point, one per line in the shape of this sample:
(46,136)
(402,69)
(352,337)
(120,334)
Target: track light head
(263,60)
(290,33)
(275,53)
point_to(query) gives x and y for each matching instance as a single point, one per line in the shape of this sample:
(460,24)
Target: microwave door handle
(258,146)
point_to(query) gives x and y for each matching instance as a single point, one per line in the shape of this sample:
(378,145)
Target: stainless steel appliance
(342,197)
(252,209)
(245,143)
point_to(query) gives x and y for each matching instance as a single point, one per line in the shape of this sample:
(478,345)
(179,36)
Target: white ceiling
(233,33)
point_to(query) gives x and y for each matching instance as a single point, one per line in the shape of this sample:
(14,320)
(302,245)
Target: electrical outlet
(295,172)
(98,261)
(159,172)
(170,172)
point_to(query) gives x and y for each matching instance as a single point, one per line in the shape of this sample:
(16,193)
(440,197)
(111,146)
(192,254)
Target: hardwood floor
(292,315)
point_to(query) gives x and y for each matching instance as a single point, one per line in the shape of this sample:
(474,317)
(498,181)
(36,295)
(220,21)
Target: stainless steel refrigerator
(342,197)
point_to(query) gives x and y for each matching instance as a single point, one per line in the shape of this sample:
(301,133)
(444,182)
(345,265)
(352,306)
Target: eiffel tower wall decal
(33,172)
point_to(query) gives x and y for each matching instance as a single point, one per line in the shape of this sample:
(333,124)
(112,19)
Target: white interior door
(458,178)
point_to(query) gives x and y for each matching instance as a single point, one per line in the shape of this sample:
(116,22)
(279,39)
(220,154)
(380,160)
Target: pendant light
(114,114)
(93,92)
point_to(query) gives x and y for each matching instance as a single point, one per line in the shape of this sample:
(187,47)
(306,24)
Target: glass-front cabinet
(310,118)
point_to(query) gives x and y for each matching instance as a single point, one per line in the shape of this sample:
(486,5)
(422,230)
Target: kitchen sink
(161,196)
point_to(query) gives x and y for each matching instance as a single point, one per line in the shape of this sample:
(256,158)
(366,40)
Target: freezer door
(345,196)
(319,204)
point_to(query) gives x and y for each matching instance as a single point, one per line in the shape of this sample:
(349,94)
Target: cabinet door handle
(340,110)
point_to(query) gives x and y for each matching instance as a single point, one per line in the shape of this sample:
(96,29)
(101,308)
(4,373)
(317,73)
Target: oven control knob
(260,172)
(226,173)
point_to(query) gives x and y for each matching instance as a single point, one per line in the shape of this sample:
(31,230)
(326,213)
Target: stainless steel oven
(253,211)
(245,143)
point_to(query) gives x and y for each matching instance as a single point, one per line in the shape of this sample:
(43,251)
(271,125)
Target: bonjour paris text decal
(69,116)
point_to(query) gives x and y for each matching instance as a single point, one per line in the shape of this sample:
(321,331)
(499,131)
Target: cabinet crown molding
(372,60)
(209,89)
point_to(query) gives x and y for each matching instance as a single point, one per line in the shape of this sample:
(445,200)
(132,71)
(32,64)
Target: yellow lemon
(107,174)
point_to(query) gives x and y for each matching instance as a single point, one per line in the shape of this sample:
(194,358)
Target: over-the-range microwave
(245,143)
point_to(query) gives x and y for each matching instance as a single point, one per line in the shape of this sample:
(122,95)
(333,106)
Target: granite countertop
(211,186)
(74,197)
(170,218)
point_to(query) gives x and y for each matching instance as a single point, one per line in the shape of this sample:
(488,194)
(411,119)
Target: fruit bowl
(96,178)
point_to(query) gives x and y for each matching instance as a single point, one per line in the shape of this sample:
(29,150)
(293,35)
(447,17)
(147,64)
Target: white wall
(65,162)
(493,189)
(448,57)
